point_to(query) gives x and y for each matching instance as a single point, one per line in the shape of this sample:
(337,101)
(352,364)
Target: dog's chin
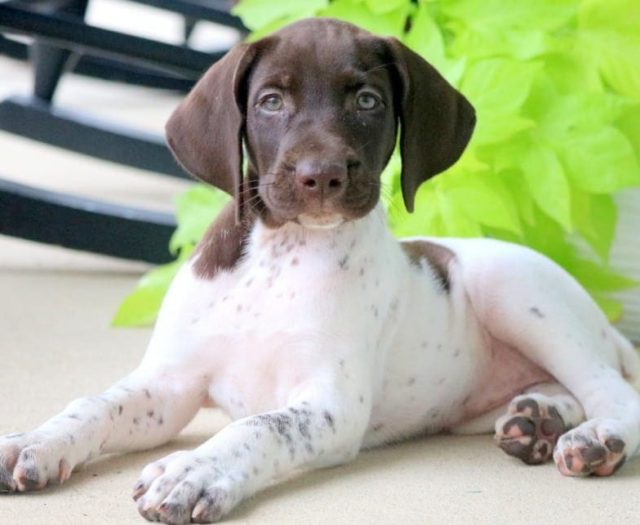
(323,222)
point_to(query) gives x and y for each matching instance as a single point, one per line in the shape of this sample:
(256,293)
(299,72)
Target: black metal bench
(60,37)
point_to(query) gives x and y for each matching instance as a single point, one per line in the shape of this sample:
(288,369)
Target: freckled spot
(424,344)
(150,413)
(119,410)
(295,261)
(249,282)
(292,295)
(439,347)
(160,421)
(361,399)
(603,334)
(361,272)
(136,421)
(377,427)
(411,381)
(441,380)
(195,320)
(329,419)
(342,263)
(256,471)
(456,353)
(147,394)
(239,308)
(536,312)
(246,447)
(224,299)
(341,362)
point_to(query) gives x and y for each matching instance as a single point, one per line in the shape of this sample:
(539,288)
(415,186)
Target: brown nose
(321,179)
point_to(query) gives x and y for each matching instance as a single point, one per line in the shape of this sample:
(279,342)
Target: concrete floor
(56,344)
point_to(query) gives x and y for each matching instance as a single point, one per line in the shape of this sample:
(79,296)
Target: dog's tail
(629,359)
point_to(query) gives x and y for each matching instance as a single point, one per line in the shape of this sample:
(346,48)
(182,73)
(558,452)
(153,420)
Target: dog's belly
(444,368)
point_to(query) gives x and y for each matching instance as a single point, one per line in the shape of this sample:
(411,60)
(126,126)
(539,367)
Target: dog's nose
(321,179)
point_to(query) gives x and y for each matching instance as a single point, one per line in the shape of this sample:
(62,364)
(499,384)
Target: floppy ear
(205,132)
(436,121)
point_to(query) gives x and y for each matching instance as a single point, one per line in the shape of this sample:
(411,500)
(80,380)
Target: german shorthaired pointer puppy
(312,326)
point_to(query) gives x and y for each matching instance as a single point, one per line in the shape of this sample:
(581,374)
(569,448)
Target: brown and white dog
(312,326)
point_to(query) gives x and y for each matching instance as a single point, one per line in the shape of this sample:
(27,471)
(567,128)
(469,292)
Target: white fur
(322,342)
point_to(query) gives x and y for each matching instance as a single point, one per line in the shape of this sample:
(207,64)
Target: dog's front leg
(319,427)
(143,410)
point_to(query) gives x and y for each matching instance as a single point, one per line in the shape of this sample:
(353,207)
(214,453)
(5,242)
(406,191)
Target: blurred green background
(556,87)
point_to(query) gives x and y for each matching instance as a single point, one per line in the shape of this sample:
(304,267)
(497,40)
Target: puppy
(312,326)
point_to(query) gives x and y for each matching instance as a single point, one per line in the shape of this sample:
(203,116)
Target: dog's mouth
(326,221)
(283,203)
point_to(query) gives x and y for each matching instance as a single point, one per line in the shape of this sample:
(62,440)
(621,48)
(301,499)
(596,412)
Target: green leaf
(455,221)
(547,183)
(140,307)
(426,39)
(600,160)
(256,14)
(499,84)
(480,202)
(595,218)
(496,15)
(195,210)
(609,37)
(498,88)
(611,307)
(391,23)
(384,6)
(599,278)
(486,28)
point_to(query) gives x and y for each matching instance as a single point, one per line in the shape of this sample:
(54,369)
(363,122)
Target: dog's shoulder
(223,244)
(437,256)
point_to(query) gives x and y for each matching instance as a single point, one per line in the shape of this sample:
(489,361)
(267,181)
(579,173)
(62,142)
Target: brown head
(317,106)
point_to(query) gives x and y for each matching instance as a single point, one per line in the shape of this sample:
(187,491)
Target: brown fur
(318,68)
(437,257)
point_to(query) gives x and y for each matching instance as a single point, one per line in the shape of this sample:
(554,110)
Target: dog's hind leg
(143,410)
(524,300)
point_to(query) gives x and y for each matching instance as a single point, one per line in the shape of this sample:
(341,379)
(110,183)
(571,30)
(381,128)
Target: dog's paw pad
(530,429)
(590,449)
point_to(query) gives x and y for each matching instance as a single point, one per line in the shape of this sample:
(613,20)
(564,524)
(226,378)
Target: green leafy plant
(556,87)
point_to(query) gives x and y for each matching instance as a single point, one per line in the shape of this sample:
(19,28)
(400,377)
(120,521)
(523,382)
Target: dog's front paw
(30,461)
(596,447)
(185,487)
(530,428)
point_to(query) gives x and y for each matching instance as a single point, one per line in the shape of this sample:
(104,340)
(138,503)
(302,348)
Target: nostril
(310,183)
(335,183)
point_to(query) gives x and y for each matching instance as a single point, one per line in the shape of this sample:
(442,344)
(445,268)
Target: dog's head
(317,106)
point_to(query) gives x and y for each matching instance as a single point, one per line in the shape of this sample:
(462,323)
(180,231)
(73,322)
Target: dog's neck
(353,235)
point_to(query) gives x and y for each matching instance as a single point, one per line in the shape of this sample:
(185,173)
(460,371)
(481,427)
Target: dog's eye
(272,102)
(367,100)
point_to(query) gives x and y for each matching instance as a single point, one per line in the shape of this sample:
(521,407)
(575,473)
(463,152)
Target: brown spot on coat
(437,257)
